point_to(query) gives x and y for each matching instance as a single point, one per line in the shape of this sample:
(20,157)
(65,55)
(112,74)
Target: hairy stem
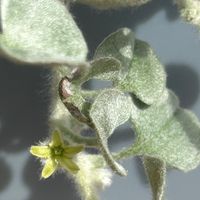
(127,152)
(88,141)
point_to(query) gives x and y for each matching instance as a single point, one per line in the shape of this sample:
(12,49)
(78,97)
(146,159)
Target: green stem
(126,153)
(88,141)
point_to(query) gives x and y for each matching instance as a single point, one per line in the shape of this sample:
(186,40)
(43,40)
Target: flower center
(57,151)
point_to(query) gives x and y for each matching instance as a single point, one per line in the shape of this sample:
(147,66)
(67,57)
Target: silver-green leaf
(156,172)
(41,31)
(110,109)
(142,73)
(177,142)
(103,69)
(150,119)
(146,77)
(119,45)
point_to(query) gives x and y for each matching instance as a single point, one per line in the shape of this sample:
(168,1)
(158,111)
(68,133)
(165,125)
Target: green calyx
(57,151)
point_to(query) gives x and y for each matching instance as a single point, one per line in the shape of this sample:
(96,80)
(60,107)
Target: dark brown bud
(64,88)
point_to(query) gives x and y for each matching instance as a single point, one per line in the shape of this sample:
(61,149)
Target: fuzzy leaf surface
(174,137)
(119,45)
(103,69)
(41,31)
(142,73)
(146,77)
(156,172)
(151,118)
(110,109)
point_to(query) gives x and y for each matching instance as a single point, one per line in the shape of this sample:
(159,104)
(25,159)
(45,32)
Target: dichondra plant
(44,32)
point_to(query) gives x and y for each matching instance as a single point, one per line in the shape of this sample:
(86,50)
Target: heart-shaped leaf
(142,74)
(110,109)
(41,31)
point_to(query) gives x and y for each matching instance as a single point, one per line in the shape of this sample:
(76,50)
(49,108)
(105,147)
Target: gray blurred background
(24,104)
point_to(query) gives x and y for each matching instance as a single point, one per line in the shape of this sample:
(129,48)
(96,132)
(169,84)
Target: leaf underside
(109,110)
(41,31)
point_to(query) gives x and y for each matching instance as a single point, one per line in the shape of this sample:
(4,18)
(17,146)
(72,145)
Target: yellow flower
(57,154)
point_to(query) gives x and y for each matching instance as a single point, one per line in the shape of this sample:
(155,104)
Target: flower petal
(49,168)
(70,151)
(40,151)
(69,165)
(56,139)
